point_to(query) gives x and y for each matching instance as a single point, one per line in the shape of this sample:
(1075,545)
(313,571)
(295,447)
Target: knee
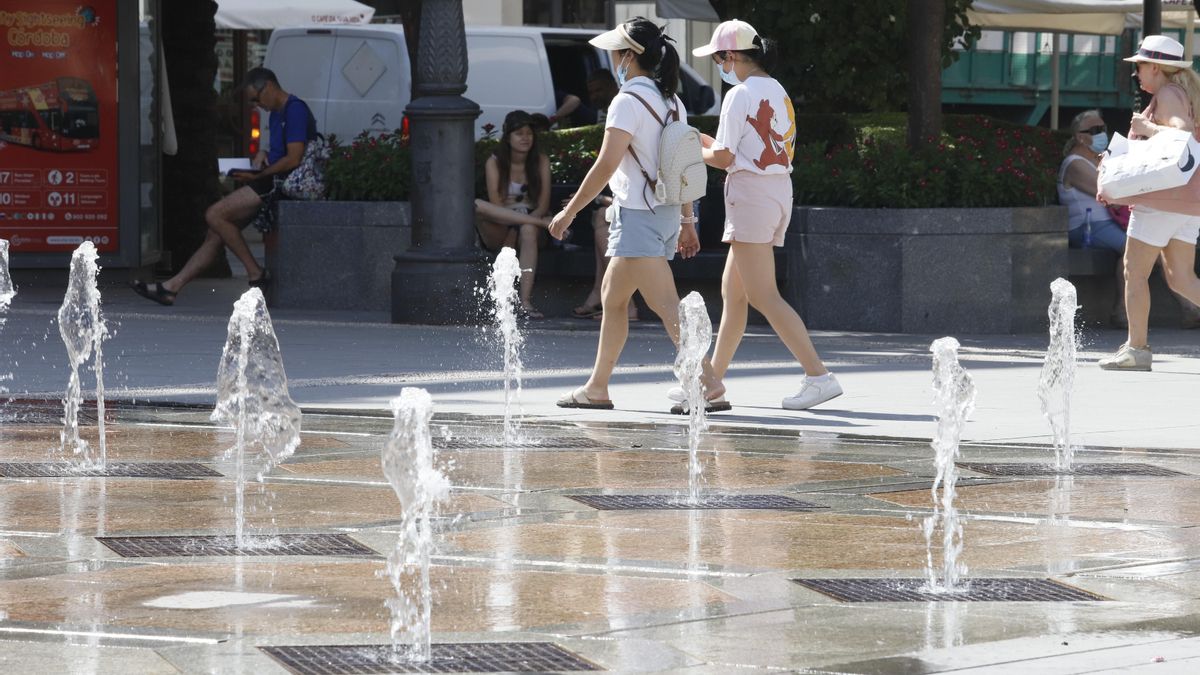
(529,236)
(213,215)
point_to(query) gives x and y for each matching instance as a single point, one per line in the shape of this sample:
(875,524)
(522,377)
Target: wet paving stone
(163,470)
(259,544)
(978,590)
(478,657)
(681,502)
(1088,469)
(473,443)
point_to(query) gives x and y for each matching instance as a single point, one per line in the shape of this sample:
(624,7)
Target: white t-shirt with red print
(758,125)
(626,113)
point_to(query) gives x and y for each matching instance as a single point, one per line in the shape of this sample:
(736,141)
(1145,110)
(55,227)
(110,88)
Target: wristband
(687,219)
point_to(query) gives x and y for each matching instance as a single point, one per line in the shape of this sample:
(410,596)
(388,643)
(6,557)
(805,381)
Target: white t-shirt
(758,125)
(628,114)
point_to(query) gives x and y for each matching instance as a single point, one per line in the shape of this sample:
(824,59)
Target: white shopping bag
(1165,160)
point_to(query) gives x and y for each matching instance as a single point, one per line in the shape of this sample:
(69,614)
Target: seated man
(292,127)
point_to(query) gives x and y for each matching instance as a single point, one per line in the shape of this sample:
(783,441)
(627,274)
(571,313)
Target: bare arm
(491,176)
(543,205)
(1170,108)
(569,105)
(616,143)
(717,159)
(1081,176)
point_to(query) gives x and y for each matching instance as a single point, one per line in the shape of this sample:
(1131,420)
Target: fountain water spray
(506,274)
(954,396)
(1058,372)
(83,331)
(408,463)
(252,397)
(7,293)
(695,336)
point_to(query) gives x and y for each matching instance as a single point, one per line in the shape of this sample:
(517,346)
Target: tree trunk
(926,23)
(190,183)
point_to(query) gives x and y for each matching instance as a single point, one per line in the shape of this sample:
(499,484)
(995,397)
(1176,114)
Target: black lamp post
(435,279)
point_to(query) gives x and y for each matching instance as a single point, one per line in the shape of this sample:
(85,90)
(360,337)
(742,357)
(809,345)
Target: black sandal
(159,294)
(263,282)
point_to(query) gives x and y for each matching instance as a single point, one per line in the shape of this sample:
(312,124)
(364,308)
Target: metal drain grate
(224,545)
(474,442)
(1092,469)
(635,502)
(478,657)
(978,590)
(169,470)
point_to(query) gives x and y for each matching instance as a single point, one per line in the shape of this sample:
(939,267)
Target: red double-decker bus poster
(58,125)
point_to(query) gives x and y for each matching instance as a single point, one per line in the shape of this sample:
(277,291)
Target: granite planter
(337,255)
(936,271)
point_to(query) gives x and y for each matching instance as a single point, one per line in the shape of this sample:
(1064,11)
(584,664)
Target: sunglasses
(1098,129)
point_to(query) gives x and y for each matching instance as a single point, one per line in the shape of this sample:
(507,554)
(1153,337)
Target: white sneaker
(676,394)
(814,391)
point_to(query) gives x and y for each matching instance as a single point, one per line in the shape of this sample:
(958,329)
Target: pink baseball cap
(732,35)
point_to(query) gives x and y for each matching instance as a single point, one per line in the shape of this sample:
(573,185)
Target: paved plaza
(526,554)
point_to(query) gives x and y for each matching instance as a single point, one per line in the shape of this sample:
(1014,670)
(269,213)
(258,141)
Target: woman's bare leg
(755,265)
(527,253)
(734,313)
(1139,261)
(1179,260)
(506,216)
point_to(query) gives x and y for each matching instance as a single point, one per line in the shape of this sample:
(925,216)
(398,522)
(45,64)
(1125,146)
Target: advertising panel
(58,125)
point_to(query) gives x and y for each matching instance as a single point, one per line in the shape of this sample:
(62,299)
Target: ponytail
(659,57)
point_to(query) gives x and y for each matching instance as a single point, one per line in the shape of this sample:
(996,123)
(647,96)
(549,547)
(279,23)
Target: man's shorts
(265,185)
(758,207)
(640,233)
(1158,228)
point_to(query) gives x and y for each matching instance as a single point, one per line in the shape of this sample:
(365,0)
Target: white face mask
(623,70)
(730,77)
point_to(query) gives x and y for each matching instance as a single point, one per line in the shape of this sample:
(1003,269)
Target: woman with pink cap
(644,233)
(1161,225)
(755,144)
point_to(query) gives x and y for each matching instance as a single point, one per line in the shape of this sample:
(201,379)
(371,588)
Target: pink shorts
(758,207)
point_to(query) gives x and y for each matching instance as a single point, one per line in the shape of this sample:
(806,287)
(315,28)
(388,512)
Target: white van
(358,77)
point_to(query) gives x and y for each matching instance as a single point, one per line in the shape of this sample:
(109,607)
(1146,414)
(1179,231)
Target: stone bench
(337,255)
(934,271)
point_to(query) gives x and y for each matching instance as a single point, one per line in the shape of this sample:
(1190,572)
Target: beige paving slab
(1166,500)
(313,597)
(820,541)
(108,506)
(615,469)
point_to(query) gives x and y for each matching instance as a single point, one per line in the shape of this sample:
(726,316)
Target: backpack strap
(673,114)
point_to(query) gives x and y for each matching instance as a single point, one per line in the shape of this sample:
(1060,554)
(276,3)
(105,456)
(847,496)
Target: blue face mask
(1099,142)
(623,71)
(730,77)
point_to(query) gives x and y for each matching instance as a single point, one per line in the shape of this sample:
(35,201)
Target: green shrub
(978,162)
(841,160)
(370,168)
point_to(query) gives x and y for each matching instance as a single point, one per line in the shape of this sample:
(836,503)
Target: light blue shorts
(640,233)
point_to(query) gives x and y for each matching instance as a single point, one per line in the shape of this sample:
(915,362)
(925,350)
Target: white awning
(1093,17)
(269,14)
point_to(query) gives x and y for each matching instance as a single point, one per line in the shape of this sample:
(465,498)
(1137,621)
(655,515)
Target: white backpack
(682,177)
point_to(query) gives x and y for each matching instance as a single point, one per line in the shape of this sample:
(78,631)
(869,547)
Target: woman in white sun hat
(643,233)
(1156,228)
(755,144)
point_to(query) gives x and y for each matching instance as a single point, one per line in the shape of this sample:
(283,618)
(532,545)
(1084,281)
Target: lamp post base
(439,287)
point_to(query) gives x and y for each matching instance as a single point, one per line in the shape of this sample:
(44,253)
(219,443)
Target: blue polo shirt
(294,124)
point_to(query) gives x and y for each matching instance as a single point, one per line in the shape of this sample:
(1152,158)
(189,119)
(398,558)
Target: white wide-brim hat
(730,36)
(616,40)
(1160,49)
